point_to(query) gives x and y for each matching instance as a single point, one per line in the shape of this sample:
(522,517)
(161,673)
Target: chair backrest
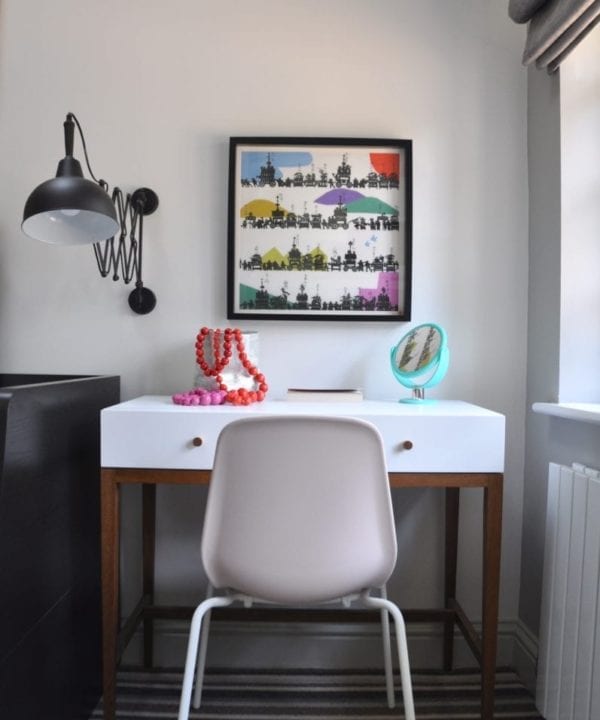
(299,509)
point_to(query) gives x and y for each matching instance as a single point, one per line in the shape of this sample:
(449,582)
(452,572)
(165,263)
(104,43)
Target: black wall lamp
(70,210)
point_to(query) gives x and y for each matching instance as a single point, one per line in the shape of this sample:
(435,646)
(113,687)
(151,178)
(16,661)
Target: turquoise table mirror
(420,360)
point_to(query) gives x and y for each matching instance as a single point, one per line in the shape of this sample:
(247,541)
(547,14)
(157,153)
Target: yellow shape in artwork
(273,256)
(317,252)
(260,209)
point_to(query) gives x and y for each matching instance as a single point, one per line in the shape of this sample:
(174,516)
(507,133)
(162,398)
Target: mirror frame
(440,360)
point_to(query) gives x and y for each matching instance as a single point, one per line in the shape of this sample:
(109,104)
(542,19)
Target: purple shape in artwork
(339,195)
(387,281)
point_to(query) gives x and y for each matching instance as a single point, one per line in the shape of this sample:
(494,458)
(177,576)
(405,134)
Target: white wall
(159,88)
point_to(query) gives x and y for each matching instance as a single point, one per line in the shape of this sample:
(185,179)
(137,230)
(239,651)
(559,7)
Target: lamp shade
(69,210)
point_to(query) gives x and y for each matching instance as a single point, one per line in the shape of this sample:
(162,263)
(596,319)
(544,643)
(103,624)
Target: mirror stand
(417,397)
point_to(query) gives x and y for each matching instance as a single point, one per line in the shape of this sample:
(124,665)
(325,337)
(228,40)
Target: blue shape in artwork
(252,162)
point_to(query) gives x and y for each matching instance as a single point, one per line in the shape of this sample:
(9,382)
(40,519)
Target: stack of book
(324,394)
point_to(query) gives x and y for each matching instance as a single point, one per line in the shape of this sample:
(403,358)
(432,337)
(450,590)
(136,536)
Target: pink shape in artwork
(387,281)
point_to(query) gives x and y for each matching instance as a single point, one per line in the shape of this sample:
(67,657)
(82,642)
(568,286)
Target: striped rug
(315,695)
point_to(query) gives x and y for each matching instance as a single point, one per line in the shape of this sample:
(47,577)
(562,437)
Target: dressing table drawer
(442,443)
(182,441)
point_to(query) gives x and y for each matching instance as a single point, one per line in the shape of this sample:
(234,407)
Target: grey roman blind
(555,27)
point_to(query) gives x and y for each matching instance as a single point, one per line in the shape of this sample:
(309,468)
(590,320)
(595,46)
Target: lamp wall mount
(69,209)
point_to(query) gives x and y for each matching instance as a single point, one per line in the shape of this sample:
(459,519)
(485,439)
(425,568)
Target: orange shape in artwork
(386,163)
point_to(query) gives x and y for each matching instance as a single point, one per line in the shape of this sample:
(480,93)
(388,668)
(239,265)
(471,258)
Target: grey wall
(543,338)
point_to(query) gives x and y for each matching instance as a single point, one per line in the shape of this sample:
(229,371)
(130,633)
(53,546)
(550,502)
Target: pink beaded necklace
(223,343)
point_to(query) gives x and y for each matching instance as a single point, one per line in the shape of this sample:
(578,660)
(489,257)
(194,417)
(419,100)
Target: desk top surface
(436,408)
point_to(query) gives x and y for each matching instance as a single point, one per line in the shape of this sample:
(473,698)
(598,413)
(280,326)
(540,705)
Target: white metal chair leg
(387,652)
(201,663)
(407,694)
(192,651)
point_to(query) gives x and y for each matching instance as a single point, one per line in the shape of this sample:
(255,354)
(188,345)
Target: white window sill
(584,412)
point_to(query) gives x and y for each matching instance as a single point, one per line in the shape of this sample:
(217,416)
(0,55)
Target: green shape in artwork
(371,205)
(248,294)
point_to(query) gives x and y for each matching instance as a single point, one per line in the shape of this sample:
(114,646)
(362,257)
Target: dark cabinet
(50,613)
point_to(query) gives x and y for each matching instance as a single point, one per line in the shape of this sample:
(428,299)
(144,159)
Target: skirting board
(240,645)
(525,656)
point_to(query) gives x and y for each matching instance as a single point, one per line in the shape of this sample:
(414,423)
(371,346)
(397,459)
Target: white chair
(298,513)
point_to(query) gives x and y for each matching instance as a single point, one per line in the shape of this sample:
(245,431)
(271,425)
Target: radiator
(568,678)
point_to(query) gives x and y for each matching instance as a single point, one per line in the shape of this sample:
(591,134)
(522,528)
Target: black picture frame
(319,229)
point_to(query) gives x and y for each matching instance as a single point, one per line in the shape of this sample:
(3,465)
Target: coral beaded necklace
(223,343)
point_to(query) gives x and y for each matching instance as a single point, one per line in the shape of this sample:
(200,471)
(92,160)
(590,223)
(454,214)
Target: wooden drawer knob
(407,445)
(197,441)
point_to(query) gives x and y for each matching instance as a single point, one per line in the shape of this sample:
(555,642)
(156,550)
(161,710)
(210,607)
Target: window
(580,223)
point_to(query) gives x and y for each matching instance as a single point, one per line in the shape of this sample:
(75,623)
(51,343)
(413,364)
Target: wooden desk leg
(450,564)
(109,502)
(492,537)
(148,553)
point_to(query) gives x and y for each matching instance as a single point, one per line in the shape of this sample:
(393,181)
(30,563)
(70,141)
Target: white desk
(446,444)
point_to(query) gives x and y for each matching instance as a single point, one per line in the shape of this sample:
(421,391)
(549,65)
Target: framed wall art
(319,229)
